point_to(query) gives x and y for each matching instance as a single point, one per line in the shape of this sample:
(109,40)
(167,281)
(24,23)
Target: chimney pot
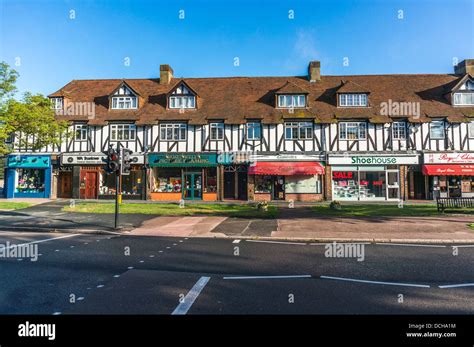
(314,71)
(465,67)
(166,74)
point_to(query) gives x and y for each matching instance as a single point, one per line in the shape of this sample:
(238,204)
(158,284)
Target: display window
(211,180)
(30,181)
(301,184)
(263,184)
(167,180)
(131,185)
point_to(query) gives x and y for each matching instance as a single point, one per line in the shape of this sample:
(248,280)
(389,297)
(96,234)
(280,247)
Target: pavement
(298,223)
(124,274)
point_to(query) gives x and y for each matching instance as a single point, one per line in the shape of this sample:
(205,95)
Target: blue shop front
(28,176)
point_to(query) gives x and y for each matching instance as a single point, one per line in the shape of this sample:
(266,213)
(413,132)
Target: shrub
(335,205)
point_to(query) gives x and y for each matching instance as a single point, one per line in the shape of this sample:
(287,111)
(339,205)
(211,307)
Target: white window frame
(303,130)
(173,131)
(83,129)
(461,99)
(470,130)
(250,129)
(291,101)
(181,102)
(360,128)
(57,103)
(219,131)
(399,131)
(437,122)
(353,100)
(116,129)
(128,102)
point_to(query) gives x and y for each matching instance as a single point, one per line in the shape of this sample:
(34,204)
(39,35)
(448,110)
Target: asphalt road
(115,274)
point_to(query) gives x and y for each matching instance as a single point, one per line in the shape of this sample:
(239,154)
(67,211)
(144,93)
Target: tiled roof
(237,99)
(352,87)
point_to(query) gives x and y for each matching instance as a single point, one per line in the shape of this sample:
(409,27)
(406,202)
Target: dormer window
(182,97)
(292,101)
(124,99)
(57,103)
(465,95)
(353,100)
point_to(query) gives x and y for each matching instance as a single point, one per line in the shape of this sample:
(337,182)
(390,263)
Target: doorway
(393,186)
(229,185)
(192,186)
(90,185)
(454,186)
(242,186)
(65,185)
(278,188)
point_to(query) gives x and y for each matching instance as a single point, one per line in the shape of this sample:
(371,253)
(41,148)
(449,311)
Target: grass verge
(14,205)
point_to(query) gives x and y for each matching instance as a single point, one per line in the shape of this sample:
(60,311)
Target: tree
(32,117)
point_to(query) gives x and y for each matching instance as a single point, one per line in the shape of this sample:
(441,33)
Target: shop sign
(287,157)
(93,159)
(342,175)
(29,161)
(183,160)
(373,160)
(448,158)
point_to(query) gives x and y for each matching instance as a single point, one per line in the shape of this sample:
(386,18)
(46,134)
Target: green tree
(32,116)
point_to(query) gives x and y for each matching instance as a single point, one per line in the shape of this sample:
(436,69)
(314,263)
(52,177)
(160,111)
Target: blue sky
(52,48)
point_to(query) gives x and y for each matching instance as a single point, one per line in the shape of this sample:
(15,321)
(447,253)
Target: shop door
(193,186)
(91,185)
(454,186)
(242,179)
(65,185)
(393,184)
(229,185)
(279,188)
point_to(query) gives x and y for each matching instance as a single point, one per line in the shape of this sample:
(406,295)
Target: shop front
(450,174)
(28,176)
(189,176)
(370,177)
(89,180)
(234,174)
(286,177)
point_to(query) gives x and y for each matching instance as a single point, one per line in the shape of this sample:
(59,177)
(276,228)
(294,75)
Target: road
(114,274)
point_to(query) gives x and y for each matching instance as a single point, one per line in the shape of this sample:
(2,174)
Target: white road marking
(130,267)
(56,313)
(142,261)
(408,245)
(116,276)
(100,286)
(236,241)
(375,282)
(263,277)
(247,227)
(457,285)
(45,240)
(463,246)
(192,295)
(279,242)
(80,298)
(152,256)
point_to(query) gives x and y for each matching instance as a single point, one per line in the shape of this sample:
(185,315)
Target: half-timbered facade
(376,137)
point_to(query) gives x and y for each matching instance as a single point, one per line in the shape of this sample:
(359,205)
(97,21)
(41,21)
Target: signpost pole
(117,184)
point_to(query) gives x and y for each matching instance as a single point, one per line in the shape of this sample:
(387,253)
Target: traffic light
(126,161)
(112,163)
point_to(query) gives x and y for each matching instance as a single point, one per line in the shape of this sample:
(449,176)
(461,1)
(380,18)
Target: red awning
(286,168)
(448,170)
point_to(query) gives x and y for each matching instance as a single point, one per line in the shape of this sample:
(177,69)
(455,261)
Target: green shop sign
(29,161)
(182,160)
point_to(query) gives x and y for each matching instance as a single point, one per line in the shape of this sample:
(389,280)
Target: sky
(53,42)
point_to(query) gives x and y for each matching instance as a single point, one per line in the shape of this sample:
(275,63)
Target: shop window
(211,180)
(363,184)
(303,184)
(30,181)
(263,184)
(437,129)
(132,185)
(167,180)
(345,185)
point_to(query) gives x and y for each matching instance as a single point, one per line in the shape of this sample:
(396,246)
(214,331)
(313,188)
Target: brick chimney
(314,71)
(465,67)
(166,74)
